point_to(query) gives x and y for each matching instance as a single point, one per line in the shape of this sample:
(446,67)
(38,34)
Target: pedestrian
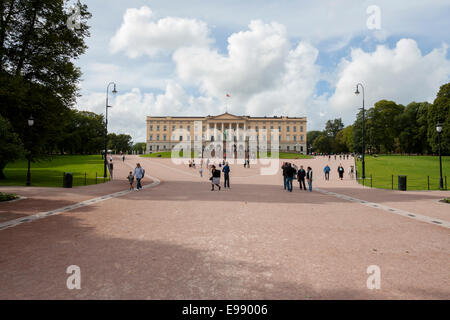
(111,167)
(193,163)
(334,157)
(248,163)
(131,180)
(190,164)
(207,163)
(327,170)
(290,176)
(215,177)
(123,158)
(309,177)
(341,171)
(351,171)
(301,177)
(139,173)
(226,176)
(201,171)
(110,158)
(284,169)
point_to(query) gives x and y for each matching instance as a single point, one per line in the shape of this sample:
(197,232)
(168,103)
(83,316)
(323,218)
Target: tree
(311,136)
(439,111)
(37,72)
(323,143)
(120,142)
(10,147)
(139,147)
(332,127)
(344,140)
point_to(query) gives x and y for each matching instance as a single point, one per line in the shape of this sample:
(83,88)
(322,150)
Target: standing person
(284,170)
(290,176)
(110,158)
(131,180)
(201,171)
(327,170)
(123,158)
(193,163)
(215,177)
(309,177)
(207,163)
(226,175)
(139,173)
(341,171)
(301,177)
(248,163)
(334,157)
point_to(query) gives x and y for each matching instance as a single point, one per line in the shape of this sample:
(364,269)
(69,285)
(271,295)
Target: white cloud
(401,74)
(140,35)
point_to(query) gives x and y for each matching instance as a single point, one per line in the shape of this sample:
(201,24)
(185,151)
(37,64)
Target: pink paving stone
(179,240)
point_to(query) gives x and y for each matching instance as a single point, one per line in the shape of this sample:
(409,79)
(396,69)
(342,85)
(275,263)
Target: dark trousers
(289,183)
(327,176)
(226,181)
(301,182)
(138,186)
(285,182)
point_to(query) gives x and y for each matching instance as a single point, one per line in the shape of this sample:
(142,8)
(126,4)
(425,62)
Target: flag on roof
(228,95)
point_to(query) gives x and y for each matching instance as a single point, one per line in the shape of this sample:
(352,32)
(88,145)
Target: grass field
(282,155)
(49,173)
(416,168)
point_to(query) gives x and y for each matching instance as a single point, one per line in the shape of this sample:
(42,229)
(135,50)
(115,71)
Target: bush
(7,197)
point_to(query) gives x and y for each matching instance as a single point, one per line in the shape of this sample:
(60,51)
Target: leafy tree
(332,127)
(323,143)
(344,140)
(439,111)
(10,147)
(119,142)
(139,147)
(311,136)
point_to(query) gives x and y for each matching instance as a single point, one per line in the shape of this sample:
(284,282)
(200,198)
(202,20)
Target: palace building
(164,133)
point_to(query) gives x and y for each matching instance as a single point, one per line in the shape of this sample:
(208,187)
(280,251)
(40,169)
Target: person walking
(327,170)
(111,167)
(341,171)
(226,176)
(201,172)
(139,173)
(301,177)
(351,171)
(309,177)
(215,177)
(131,180)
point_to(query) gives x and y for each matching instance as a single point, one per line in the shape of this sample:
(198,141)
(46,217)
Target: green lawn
(282,155)
(416,168)
(49,173)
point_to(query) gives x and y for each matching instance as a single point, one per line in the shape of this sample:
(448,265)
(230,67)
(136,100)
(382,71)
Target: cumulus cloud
(140,34)
(402,74)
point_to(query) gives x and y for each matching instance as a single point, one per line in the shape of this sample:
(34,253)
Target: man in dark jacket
(301,178)
(284,167)
(290,172)
(226,176)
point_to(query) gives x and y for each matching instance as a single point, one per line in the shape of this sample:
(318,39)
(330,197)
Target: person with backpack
(139,173)
(326,171)
(215,177)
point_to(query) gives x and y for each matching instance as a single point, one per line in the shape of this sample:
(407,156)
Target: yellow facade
(163,133)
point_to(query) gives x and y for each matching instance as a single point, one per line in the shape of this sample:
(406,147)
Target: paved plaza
(176,239)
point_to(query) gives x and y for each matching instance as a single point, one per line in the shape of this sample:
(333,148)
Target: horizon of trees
(390,128)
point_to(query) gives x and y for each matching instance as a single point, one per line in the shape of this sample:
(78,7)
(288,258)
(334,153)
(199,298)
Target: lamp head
(31,121)
(114,90)
(439,128)
(357,90)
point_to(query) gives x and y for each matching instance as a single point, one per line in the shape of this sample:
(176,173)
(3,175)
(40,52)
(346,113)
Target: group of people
(215,176)
(340,170)
(139,174)
(290,172)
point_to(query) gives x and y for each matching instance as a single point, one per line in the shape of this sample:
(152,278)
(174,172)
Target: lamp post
(363,129)
(106,126)
(30,124)
(439,130)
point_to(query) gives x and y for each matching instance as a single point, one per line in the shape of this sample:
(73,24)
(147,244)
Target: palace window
(301,128)
(157,137)
(157,128)
(173,128)
(295,128)
(165,128)
(287,128)
(301,138)
(151,137)
(164,137)
(151,127)
(295,138)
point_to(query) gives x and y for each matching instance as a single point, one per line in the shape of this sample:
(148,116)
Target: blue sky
(296,58)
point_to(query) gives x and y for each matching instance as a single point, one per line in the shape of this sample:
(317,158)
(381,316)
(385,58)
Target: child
(131,180)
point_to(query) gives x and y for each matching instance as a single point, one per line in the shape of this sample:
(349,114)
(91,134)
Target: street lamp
(106,126)
(30,124)
(363,129)
(439,130)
